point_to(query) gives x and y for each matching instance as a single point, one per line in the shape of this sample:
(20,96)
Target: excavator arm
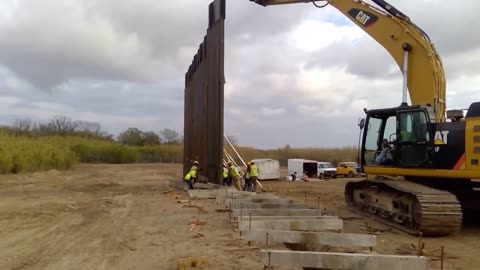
(411,47)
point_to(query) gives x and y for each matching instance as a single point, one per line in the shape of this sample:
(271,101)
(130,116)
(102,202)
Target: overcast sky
(295,74)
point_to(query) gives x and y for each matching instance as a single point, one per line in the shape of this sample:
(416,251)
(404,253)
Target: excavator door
(414,144)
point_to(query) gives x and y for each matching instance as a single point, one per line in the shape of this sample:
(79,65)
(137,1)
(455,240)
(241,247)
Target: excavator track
(406,205)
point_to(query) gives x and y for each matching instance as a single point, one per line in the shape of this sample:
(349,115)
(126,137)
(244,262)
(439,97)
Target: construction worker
(225,176)
(247,178)
(196,166)
(235,176)
(190,177)
(253,176)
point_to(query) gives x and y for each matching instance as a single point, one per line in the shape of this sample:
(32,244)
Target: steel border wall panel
(204,99)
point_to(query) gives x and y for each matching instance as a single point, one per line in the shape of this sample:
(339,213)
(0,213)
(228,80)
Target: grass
(29,154)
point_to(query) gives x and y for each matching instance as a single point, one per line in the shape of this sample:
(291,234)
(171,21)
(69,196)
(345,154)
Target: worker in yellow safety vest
(191,176)
(247,178)
(253,171)
(235,176)
(226,181)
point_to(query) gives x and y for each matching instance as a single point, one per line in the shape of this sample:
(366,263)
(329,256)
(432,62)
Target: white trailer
(298,166)
(268,169)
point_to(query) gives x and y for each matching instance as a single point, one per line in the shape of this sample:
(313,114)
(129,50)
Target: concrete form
(241,196)
(269,206)
(257,200)
(291,225)
(312,238)
(229,203)
(203,194)
(276,212)
(284,217)
(341,260)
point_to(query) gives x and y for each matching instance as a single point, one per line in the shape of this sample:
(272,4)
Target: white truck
(268,169)
(298,166)
(326,169)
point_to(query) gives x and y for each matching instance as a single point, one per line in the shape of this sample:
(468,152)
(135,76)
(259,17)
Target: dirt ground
(128,217)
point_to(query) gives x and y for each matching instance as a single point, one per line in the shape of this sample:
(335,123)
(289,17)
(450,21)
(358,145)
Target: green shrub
(22,154)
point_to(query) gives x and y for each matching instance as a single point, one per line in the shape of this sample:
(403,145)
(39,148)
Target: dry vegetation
(29,154)
(26,153)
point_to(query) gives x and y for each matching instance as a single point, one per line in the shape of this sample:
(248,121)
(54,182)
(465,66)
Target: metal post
(249,224)
(419,251)
(266,242)
(318,202)
(406,49)
(241,211)
(230,212)
(441,258)
(250,221)
(269,259)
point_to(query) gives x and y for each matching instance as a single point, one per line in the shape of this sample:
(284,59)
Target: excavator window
(414,146)
(372,139)
(390,131)
(380,128)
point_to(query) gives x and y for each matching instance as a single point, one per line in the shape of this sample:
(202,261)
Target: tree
(93,129)
(169,136)
(151,138)
(40,129)
(22,127)
(86,127)
(62,125)
(132,136)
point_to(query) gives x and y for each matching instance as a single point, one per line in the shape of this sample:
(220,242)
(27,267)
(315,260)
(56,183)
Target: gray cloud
(121,63)
(49,42)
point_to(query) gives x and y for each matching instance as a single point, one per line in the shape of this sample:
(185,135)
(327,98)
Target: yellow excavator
(420,160)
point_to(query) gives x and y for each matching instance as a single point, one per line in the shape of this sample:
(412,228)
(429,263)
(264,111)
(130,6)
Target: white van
(298,166)
(326,169)
(268,169)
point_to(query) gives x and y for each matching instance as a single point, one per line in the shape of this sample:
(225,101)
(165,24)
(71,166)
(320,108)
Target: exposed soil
(129,217)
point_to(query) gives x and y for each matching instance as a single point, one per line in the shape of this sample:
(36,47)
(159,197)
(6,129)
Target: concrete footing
(241,196)
(288,258)
(291,225)
(202,194)
(312,238)
(248,205)
(276,212)
(228,203)
(284,217)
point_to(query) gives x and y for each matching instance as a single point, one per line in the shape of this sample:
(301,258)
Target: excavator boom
(410,46)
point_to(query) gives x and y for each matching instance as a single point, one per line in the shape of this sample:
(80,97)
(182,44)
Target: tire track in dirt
(48,243)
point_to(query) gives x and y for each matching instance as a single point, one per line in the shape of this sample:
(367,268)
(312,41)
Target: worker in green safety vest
(235,176)
(226,181)
(191,176)
(253,171)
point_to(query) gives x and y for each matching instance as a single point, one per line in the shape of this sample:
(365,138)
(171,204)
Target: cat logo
(365,18)
(441,137)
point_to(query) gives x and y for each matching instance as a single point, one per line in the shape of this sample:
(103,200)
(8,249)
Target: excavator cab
(397,137)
